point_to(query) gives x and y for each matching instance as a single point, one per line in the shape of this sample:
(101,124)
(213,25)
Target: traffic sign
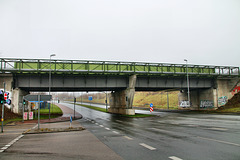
(151,107)
(90,98)
(35,97)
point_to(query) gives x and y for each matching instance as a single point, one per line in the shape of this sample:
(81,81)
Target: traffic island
(53,130)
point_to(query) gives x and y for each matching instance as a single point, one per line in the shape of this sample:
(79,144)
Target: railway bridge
(207,84)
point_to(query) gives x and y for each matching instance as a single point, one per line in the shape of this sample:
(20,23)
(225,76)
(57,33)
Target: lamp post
(187,82)
(52,55)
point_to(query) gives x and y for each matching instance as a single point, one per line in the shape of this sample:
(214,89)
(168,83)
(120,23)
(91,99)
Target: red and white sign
(30,115)
(25,117)
(5,96)
(151,109)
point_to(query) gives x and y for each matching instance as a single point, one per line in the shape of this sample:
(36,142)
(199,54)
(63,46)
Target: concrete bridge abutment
(210,98)
(15,94)
(121,101)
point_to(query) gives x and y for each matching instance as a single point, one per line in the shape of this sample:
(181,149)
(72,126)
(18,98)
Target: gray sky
(162,31)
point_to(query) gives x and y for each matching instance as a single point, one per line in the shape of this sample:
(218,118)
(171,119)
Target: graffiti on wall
(206,104)
(222,100)
(184,104)
(236,89)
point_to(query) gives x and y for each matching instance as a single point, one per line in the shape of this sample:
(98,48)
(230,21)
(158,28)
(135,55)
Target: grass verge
(44,114)
(104,110)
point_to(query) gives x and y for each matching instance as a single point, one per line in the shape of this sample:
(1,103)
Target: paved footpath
(48,146)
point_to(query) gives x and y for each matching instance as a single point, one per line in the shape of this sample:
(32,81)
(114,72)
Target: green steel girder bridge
(121,78)
(42,66)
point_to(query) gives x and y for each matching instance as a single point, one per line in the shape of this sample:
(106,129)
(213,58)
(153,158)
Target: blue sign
(151,105)
(70,119)
(90,98)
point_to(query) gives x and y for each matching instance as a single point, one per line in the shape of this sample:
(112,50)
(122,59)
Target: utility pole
(188,82)
(2,119)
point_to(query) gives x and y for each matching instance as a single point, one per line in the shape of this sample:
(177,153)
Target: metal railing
(11,65)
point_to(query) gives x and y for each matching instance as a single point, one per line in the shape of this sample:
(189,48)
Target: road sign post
(2,119)
(70,121)
(74,106)
(151,107)
(90,99)
(38,99)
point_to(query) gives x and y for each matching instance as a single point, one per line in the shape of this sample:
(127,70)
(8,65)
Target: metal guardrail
(40,66)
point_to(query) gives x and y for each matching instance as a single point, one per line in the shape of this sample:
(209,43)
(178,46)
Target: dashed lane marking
(129,138)
(175,158)
(115,132)
(119,121)
(218,129)
(107,128)
(147,146)
(101,125)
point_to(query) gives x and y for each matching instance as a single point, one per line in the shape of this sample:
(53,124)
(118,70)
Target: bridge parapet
(42,66)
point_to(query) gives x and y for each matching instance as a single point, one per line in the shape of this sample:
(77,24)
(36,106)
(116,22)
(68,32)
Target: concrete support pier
(121,101)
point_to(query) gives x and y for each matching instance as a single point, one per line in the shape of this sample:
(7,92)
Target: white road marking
(129,138)
(96,123)
(147,146)
(34,127)
(115,132)
(225,142)
(119,121)
(4,148)
(101,125)
(218,129)
(10,144)
(107,128)
(174,158)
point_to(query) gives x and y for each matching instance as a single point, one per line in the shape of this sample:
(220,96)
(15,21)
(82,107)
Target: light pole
(52,55)
(188,82)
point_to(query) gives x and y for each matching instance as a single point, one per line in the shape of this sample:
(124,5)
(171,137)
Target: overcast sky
(162,31)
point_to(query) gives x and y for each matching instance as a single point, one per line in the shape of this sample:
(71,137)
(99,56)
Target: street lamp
(187,81)
(52,55)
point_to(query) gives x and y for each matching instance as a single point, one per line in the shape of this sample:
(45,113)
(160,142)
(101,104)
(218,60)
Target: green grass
(54,110)
(92,107)
(138,115)
(104,110)
(232,110)
(44,114)
(12,120)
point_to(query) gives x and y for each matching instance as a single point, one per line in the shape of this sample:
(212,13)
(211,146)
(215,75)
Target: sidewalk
(61,145)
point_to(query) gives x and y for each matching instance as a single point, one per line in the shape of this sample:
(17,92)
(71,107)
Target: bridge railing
(10,65)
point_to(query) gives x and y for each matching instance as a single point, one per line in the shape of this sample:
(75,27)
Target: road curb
(52,130)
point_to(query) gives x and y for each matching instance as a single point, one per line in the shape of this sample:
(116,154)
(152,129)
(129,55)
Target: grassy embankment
(232,106)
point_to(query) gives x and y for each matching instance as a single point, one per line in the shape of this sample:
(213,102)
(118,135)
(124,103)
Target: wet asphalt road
(167,136)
